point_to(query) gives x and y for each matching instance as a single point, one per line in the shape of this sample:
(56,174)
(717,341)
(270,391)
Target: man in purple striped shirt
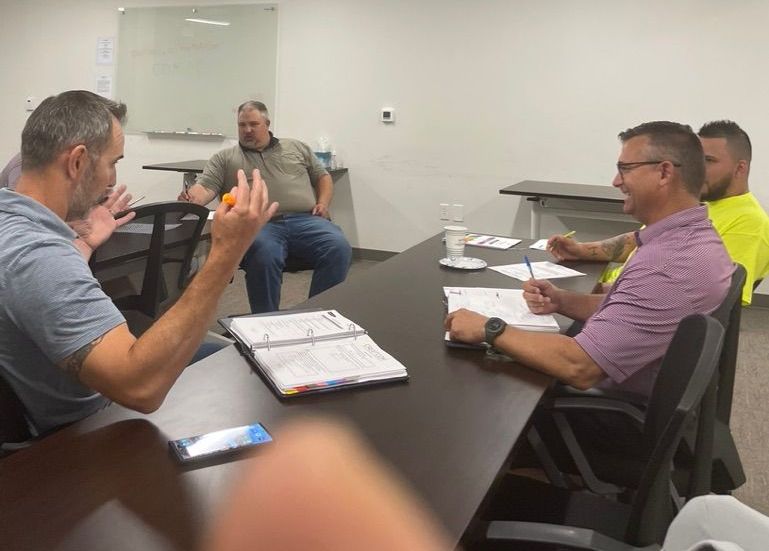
(681,267)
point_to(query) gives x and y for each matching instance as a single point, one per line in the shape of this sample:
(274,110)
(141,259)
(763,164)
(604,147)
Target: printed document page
(542,270)
(507,304)
(330,362)
(540,245)
(137,227)
(288,328)
(491,241)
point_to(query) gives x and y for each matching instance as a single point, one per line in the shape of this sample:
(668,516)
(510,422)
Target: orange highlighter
(228,198)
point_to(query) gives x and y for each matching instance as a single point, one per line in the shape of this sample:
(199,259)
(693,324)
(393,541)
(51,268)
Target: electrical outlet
(458,212)
(444,211)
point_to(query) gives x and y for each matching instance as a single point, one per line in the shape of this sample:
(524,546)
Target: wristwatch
(494,328)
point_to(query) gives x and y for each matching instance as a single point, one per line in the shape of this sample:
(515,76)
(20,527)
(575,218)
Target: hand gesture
(564,248)
(466,326)
(100,221)
(541,296)
(235,226)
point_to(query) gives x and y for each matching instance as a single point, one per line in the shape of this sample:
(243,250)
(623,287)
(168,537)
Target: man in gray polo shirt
(64,348)
(301,230)
(681,267)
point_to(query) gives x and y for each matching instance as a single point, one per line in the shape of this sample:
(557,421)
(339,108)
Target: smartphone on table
(219,443)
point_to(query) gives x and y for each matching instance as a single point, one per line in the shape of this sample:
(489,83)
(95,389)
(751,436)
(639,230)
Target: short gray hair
(69,119)
(256,105)
(677,143)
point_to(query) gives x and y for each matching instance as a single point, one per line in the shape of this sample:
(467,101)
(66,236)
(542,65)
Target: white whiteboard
(180,76)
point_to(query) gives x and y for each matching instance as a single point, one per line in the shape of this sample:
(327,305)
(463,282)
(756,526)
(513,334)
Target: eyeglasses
(622,168)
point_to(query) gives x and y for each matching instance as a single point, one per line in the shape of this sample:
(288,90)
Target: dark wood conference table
(539,193)
(108,482)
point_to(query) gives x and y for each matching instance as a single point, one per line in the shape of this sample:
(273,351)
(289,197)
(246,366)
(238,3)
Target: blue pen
(528,265)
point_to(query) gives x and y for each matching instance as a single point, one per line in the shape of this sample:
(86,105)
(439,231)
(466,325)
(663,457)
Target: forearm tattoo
(594,250)
(74,363)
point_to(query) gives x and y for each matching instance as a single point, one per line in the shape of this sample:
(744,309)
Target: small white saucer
(463,263)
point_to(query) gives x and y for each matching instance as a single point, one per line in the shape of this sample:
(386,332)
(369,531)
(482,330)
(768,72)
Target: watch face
(494,327)
(495,324)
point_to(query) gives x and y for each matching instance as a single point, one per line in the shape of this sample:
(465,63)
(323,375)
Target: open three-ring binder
(312,351)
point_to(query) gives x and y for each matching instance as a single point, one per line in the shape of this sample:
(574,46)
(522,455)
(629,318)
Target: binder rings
(300,352)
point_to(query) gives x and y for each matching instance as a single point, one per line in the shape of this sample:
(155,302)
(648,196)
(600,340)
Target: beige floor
(750,411)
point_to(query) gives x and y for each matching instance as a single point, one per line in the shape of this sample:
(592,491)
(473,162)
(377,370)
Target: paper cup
(455,241)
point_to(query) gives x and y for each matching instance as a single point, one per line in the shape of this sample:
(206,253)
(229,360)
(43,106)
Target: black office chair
(294,265)
(727,472)
(525,510)
(14,430)
(166,258)
(712,431)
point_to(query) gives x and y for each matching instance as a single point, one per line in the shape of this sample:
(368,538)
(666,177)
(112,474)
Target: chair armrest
(554,534)
(599,404)
(590,401)
(7,448)
(566,391)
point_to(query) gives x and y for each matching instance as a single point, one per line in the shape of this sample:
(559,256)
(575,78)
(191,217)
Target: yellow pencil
(570,234)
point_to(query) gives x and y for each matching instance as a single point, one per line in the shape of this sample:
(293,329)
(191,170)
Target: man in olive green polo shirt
(301,230)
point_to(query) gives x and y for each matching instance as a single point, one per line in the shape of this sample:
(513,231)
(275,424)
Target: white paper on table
(540,245)
(542,270)
(292,328)
(359,359)
(195,217)
(491,241)
(507,304)
(137,227)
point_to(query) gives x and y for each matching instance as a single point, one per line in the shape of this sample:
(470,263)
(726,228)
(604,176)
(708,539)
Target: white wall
(486,93)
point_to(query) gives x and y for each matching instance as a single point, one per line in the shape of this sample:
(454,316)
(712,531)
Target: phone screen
(222,441)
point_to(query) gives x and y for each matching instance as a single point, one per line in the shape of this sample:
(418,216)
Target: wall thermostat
(388,114)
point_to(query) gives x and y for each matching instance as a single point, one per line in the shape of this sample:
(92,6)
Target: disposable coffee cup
(455,241)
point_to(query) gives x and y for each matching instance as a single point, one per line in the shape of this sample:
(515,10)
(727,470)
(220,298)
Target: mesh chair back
(161,240)
(687,370)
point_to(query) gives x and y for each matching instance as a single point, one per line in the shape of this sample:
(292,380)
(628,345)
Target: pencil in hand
(567,235)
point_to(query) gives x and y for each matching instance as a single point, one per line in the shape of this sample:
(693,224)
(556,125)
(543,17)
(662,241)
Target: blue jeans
(309,239)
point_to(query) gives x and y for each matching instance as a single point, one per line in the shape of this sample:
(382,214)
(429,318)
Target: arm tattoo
(615,247)
(592,250)
(74,363)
